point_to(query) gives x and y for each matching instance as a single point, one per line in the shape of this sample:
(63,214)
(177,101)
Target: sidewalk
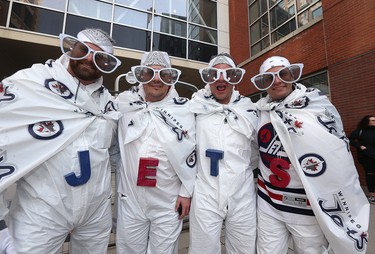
(184,238)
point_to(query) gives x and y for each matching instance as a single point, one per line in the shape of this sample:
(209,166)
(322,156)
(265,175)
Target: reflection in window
(172,8)
(142,5)
(283,17)
(283,31)
(36,19)
(310,14)
(172,45)
(91,8)
(202,34)
(169,26)
(319,81)
(74,24)
(201,52)
(203,12)
(280,14)
(53,4)
(4,7)
(132,38)
(132,18)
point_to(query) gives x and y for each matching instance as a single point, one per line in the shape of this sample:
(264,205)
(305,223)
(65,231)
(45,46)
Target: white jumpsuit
(146,218)
(48,206)
(225,193)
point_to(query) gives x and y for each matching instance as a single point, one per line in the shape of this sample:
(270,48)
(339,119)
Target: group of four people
(174,157)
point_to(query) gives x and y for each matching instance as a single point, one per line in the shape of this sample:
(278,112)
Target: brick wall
(343,42)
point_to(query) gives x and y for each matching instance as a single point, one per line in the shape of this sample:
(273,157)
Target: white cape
(311,132)
(168,115)
(41,114)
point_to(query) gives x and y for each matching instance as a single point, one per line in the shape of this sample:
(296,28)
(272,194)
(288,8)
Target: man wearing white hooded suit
(227,154)
(56,140)
(157,145)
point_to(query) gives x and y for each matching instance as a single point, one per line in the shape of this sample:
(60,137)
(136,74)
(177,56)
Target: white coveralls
(46,207)
(228,195)
(146,218)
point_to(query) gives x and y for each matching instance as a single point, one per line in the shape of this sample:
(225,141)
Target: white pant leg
(308,239)
(132,228)
(240,225)
(164,233)
(92,236)
(272,234)
(205,224)
(35,226)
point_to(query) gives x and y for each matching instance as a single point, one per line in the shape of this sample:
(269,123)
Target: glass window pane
(301,4)
(257,9)
(201,52)
(284,30)
(132,38)
(169,26)
(143,5)
(172,8)
(264,43)
(319,81)
(310,14)
(36,19)
(4,7)
(259,29)
(54,4)
(280,14)
(132,18)
(91,8)
(172,45)
(202,34)
(74,24)
(203,12)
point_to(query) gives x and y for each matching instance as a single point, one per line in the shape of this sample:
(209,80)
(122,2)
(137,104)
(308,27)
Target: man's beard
(85,70)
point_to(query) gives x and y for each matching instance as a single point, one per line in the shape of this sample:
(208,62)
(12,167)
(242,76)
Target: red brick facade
(343,43)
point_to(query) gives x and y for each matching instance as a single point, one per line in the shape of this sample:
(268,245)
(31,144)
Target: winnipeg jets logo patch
(46,130)
(58,88)
(313,164)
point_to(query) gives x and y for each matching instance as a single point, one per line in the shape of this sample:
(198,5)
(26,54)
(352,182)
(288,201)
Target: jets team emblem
(313,164)
(58,88)
(46,130)
(192,159)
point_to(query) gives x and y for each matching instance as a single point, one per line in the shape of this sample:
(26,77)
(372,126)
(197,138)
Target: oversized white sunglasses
(233,76)
(289,74)
(78,50)
(144,74)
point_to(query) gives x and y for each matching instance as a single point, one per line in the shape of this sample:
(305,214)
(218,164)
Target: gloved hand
(6,242)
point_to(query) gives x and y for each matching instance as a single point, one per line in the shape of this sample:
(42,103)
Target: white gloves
(6,242)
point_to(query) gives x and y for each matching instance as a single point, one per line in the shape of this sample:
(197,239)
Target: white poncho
(311,132)
(42,112)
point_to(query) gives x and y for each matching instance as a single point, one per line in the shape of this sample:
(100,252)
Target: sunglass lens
(234,76)
(169,76)
(209,75)
(143,74)
(290,73)
(105,62)
(74,48)
(263,81)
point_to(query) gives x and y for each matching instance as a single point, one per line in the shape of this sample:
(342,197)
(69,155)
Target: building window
(274,19)
(184,28)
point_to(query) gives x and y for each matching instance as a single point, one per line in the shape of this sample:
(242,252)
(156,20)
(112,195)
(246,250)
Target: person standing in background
(227,154)
(363,138)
